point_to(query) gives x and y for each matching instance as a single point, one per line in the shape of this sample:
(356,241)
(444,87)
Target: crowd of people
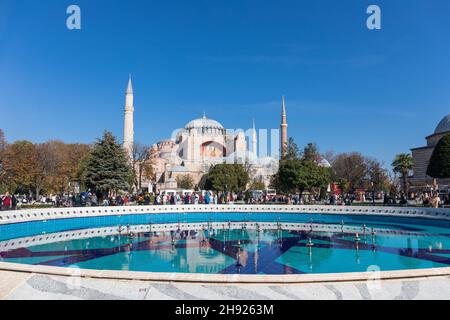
(432,199)
(87,199)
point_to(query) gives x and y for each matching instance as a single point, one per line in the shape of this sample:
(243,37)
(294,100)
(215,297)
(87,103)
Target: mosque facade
(421,155)
(201,144)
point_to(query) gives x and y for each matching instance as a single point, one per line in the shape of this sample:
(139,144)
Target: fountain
(310,244)
(273,243)
(357,240)
(238,260)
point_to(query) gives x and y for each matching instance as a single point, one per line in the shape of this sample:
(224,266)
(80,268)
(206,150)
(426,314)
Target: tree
(70,157)
(330,156)
(351,167)
(19,165)
(145,170)
(35,168)
(107,168)
(185,182)
(82,169)
(292,151)
(377,175)
(257,185)
(3,145)
(205,183)
(3,142)
(312,176)
(142,166)
(343,186)
(311,153)
(439,166)
(46,166)
(300,175)
(250,168)
(57,164)
(394,183)
(403,164)
(283,180)
(228,177)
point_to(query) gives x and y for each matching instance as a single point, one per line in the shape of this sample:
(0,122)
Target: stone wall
(421,159)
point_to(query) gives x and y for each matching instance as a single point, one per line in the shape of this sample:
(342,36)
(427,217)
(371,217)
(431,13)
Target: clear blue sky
(347,88)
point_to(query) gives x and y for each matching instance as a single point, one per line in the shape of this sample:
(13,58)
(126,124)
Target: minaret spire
(128,128)
(283,129)
(130,85)
(254,140)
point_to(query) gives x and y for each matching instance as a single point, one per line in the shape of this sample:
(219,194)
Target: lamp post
(373,193)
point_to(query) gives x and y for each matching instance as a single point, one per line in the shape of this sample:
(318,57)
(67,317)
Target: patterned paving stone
(57,288)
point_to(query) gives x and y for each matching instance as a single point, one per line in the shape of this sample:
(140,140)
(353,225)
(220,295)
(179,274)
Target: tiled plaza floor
(19,286)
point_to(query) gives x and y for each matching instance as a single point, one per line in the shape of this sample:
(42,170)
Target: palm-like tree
(402,164)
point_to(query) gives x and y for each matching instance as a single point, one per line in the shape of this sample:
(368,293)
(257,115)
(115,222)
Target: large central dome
(443,126)
(204,123)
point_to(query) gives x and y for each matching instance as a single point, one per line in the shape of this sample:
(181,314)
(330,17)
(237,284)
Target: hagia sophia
(202,143)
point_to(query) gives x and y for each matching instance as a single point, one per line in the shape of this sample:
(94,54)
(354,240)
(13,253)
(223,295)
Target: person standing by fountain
(435,201)
(13,202)
(6,201)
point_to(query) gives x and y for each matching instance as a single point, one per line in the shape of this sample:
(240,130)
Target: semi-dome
(444,125)
(204,123)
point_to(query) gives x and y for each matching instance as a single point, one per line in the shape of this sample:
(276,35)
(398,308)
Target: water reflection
(241,248)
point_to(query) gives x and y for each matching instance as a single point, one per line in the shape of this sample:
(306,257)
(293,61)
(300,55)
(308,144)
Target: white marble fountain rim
(64,213)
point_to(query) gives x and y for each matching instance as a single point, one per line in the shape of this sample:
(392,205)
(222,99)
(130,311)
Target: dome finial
(204,114)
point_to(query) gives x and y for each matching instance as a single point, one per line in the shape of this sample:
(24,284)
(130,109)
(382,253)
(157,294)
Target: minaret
(283,130)
(254,140)
(128,127)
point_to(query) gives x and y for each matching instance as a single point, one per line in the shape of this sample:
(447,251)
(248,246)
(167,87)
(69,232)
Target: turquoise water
(399,244)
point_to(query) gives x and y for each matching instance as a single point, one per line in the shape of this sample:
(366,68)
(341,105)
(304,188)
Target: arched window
(212,149)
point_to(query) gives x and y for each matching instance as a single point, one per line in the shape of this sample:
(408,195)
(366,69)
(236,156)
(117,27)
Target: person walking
(13,202)
(6,202)
(147,200)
